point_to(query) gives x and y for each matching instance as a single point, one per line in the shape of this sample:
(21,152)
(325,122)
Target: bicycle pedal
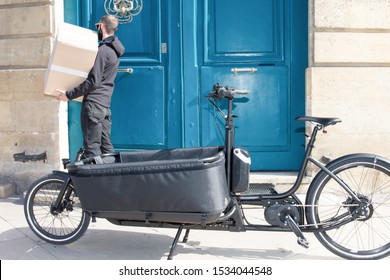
(303,242)
(297,231)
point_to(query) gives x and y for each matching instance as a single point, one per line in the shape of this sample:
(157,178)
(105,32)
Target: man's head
(107,26)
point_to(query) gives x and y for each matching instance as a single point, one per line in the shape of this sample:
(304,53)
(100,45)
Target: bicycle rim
(59,228)
(367,234)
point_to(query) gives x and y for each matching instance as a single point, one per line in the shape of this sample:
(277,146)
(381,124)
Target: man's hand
(62,95)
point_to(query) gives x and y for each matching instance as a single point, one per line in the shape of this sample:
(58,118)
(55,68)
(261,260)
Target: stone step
(7,190)
(282,181)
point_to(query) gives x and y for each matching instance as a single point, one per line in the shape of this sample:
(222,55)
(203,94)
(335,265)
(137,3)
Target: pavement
(105,241)
(108,251)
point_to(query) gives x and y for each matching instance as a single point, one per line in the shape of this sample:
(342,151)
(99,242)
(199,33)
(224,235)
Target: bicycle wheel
(59,226)
(353,228)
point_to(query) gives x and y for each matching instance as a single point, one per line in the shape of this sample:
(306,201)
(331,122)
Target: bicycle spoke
(357,226)
(62,225)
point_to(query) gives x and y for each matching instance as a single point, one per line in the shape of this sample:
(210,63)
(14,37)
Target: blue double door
(176,50)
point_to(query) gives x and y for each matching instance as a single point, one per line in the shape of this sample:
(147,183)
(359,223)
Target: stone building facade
(348,77)
(349,74)
(29,121)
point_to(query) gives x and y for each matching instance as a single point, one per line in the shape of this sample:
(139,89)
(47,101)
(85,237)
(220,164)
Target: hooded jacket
(99,85)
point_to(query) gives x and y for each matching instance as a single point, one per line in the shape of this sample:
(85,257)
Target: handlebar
(221,92)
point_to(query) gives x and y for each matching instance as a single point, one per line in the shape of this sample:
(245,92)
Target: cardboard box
(72,58)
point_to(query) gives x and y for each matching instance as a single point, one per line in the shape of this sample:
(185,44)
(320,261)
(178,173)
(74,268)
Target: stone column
(29,121)
(349,74)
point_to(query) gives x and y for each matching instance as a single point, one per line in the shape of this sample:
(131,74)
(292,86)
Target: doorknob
(237,70)
(127,70)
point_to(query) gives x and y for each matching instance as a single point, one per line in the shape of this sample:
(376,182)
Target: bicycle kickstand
(294,227)
(175,241)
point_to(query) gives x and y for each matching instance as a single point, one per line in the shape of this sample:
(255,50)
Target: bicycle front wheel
(353,224)
(57,226)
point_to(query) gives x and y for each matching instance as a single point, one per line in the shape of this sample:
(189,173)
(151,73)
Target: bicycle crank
(294,227)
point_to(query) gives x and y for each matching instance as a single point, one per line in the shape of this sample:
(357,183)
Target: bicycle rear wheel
(57,226)
(353,228)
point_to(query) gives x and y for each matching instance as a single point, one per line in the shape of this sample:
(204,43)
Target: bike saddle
(321,121)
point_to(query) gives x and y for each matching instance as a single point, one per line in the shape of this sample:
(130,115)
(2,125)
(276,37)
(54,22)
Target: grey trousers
(96,128)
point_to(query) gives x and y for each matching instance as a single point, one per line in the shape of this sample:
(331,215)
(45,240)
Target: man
(97,90)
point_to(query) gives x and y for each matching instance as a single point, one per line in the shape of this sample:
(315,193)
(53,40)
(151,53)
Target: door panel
(244,31)
(138,108)
(141,37)
(248,45)
(262,114)
(139,115)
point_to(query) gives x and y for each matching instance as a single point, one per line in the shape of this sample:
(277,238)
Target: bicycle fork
(58,206)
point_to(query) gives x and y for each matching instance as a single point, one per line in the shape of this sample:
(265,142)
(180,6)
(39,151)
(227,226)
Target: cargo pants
(96,129)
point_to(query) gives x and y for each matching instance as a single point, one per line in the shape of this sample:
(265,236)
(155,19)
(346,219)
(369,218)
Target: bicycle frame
(308,158)
(229,144)
(147,187)
(239,199)
(265,199)
(229,136)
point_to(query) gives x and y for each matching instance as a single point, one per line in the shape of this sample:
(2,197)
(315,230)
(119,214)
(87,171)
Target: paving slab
(106,241)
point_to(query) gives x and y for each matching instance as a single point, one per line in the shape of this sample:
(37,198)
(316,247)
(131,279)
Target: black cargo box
(170,185)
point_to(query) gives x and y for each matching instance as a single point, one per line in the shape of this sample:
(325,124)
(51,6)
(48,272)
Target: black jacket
(99,85)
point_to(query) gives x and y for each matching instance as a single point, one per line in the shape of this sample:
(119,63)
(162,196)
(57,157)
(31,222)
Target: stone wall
(349,74)
(348,77)
(29,121)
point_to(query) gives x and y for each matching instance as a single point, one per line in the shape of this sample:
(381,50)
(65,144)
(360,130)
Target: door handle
(127,70)
(239,70)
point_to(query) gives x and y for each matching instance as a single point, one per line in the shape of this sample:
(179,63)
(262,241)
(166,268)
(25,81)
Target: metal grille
(260,189)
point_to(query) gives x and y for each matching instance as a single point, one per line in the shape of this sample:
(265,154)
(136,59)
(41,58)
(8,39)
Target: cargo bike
(347,205)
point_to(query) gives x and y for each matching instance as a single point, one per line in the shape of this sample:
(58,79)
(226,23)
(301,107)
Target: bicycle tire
(59,228)
(360,233)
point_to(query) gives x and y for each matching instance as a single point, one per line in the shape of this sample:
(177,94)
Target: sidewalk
(105,241)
